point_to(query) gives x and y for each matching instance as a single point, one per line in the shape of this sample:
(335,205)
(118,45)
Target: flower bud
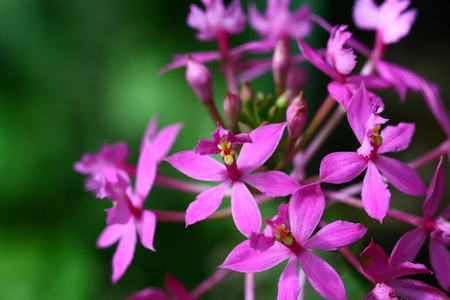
(280,64)
(296,116)
(246,92)
(200,79)
(232,106)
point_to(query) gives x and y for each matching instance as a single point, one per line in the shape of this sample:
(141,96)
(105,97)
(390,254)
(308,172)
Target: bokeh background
(77,73)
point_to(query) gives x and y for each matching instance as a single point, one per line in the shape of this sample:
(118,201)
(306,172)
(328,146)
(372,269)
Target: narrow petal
(322,276)
(336,235)
(359,111)
(416,290)
(396,138)
(265,141)
(145,172)
(316,59)
(206,203)
(124,252)
(198,167)
(374,261)
(164,140)
(174,286)
(341,167)
(273,183)
(150,294)
(305,211)
(435,192)
(440,261)
(245,211)
(365,14)
(246,260)
(340,92)
(119,214)
(375,194)
(407,247)
(288,284)
(408,268)
(400,175)
(146,229)
(110,235)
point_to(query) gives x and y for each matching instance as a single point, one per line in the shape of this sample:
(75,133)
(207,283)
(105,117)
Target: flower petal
(198,167)
(246,260)
(341,167)
(150,294)
(336,235)
(288,284)
(407,247)
(416,290)
(145,172)
(316,59)
(440,261)
(124,252)
(164,140)
(146,229)
(340,92)
(408,268)
(435,192)
(400,175)
(322,276)
(374,261)
(245,211)
(273,183)
(305,211)
(265,141)
(396,138)
(110,235)
(206,203)
(375,194)
(359,112)
(365,14)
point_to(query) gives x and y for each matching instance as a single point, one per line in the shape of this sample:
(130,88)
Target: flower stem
(249,286)
(183,186)
(430,156)
(210,282)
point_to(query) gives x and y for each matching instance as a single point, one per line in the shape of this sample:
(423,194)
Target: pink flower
(234,172)
(216,19)
(387,272)
(390,20)
(288,235)
(341,167)
(278,22)
(343,60)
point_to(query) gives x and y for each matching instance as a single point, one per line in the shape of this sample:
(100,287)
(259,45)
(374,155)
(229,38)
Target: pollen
(377,140)
(283,235)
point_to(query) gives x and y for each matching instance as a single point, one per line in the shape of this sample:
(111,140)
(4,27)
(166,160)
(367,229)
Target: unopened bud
(200,79)
(232,106)
(280,64)
(296,116)
(246,92)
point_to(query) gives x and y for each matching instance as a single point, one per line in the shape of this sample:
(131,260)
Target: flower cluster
(262,151)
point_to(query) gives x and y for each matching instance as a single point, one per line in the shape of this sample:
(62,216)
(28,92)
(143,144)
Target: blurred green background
(77,73)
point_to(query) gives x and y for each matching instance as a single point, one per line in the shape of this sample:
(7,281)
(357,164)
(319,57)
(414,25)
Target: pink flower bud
(232,106)
(246,92)
(280,64)
(200,79)
(296,116)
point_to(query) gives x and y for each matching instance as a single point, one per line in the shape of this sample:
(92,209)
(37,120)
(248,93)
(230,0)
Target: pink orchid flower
(288,235)
(234,172)
(341,167)
(386,273)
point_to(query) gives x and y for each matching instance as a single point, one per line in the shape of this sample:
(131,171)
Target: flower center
(283,235)
(226,152)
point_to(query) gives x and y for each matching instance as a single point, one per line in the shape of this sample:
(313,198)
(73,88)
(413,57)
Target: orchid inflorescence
(260,150)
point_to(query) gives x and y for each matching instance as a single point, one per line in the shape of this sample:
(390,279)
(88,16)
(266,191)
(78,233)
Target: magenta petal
(198,167)
(359,111)
(434,101)
(435,192)
(336,235)
(265,141)
(146,229)
(164,140)
(374,261)
(288,284)
(396,138)
(407,247)
(375,194)
(383,291)
(246,260)
(316,59)
(273,183)
(400,175)
(341,167)
(245,211)
(150,294)
(305,211)
(176,287)
(206,203)
(408,268)
(124,252)
(440,261)
(322,276)
(145,172)
(340,92)
(416,290)
(110,235)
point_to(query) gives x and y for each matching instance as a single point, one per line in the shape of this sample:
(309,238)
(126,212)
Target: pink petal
(265,141)
(374,262)
(408,268)
(246,260)
(396,138)
(359,111)
(375,194)
(416,290)
(145,172)
(407,247)
(305,211)
(322,276)
(435,192)
(124,252)
(245,211)
(119,214)
(336,235)
(206,203)
(316,59)
(164,140)
(110,235)
(434,101)
(146,229)
(176,287)
(273,183)
(150,294)
(399,27)
(400,175)
(382,291)
(340,92)
(341,167)
(199,167)
(288,284)
(370,81)
(365,14)
(258,21)
(440,261)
